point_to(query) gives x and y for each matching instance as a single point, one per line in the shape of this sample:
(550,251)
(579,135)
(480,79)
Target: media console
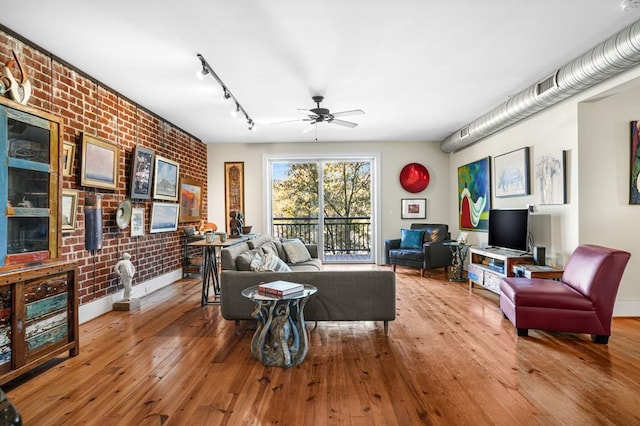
(488,266)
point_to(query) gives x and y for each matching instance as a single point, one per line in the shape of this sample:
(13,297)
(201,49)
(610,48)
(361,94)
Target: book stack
(280,288)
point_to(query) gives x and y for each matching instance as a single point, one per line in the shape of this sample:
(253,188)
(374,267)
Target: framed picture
(190,200)
(165,179)
(137,222)
(474,195)
(99,163)
(511,171)
(69,209)
(634,187)
(233,189)
(550,178)
(164,217)
(141,173)
(414,208)
(68,152)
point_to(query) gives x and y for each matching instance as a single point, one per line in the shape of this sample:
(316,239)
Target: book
(280,288)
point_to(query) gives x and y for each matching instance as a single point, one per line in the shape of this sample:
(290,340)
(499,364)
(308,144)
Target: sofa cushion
(296,251)
(243,260)
(259,241)
(268,262)
(407,254)
(411,238)
(314,264)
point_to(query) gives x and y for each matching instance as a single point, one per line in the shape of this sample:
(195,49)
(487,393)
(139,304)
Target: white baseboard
(627,308)
(94,309)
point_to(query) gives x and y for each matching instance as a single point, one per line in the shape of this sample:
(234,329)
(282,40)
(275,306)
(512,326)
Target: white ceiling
(420,69)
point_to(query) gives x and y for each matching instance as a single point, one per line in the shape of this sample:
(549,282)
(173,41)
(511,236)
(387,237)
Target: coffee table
(281,337)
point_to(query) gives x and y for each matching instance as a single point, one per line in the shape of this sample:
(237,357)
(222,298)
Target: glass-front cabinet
(29,184)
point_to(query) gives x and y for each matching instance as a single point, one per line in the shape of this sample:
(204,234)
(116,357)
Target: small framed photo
(137,222)
(414,208)
(68,152)
(190,200)
(99,163)
(165,180)
(164,217)
(69,209)
(141,173)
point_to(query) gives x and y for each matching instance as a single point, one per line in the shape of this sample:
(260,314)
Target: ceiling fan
(320,115)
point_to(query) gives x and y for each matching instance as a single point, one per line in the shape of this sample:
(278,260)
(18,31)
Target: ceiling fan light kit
(324,115)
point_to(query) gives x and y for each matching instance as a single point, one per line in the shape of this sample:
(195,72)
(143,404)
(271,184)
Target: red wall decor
(414,177)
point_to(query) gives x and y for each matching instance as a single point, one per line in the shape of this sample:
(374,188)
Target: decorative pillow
(411,238)
(270,247)
(243,261)
(296,251)
(268,262)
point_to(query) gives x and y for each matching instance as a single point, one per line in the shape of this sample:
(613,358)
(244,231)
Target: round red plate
(414,177)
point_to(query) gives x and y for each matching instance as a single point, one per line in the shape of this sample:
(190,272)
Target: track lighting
(238,109)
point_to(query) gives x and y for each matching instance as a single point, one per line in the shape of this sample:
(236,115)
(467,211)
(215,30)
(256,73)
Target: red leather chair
(582,302)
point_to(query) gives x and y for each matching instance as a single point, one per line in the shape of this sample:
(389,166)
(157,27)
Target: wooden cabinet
(30,184)
(39,318)
(488,266)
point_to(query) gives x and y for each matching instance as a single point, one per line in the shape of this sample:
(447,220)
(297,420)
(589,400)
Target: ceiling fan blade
(343,123)
(346,113)
(309,128)
(288,121)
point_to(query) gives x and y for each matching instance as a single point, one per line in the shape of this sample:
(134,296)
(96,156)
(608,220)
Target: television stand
(488,266)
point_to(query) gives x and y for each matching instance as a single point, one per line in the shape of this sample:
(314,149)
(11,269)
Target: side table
(459,251)
(281,337)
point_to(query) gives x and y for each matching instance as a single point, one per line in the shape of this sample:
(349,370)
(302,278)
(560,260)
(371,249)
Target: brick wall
(87,106)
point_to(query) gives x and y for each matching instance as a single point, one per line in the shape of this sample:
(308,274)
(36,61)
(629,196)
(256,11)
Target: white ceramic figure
(125,270)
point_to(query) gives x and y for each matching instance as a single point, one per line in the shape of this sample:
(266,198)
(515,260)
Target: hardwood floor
(450,358)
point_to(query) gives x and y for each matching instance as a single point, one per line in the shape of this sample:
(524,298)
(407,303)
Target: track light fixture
(238,109)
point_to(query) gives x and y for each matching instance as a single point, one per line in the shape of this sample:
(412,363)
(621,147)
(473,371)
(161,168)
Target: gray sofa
(342,295)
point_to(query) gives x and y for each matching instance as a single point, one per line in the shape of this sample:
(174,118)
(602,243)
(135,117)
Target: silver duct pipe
(613,56)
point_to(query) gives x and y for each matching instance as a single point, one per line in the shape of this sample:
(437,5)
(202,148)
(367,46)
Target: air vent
(464,132)
(547,84)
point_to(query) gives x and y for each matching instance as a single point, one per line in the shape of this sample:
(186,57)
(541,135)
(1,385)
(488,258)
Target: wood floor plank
(450,358)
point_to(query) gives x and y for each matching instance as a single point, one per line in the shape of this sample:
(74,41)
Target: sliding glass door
(328,202)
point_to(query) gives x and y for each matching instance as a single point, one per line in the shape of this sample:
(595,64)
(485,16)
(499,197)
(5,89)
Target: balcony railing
(342,235)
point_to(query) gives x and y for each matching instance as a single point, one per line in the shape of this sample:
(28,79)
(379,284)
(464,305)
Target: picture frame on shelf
(233,189)
(69,209)
(137,222)
(166,179)
(414,208)
(511,173)
(100,161)
(164,217)
(142,166)
(190,200)
(68,153)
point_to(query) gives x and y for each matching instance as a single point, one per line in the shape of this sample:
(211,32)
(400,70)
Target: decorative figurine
(125,270)
(236,223)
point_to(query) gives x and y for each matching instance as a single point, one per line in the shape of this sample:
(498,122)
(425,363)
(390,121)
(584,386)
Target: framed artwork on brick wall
(165,181)
(164,217)
(142,166)
(99,163)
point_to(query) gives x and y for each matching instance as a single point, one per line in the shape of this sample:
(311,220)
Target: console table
(210,277)
(281,337)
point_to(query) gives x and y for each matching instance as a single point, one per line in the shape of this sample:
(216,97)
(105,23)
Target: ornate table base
(281,337)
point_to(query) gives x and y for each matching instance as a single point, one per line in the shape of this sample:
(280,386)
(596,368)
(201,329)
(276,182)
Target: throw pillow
(268,262)
(411,238)
(296,251)
(271,262)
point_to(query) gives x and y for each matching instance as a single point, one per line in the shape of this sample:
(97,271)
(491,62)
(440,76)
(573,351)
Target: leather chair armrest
(436,254)
(390,245)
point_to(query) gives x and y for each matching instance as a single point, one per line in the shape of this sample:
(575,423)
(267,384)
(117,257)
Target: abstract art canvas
(634,193)
(550,178)
(474,195)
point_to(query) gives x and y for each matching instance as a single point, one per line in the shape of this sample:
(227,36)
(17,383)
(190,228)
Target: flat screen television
(509,228)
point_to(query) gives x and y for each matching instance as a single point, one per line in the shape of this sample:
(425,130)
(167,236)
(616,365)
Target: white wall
(594,128)
(393,157)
